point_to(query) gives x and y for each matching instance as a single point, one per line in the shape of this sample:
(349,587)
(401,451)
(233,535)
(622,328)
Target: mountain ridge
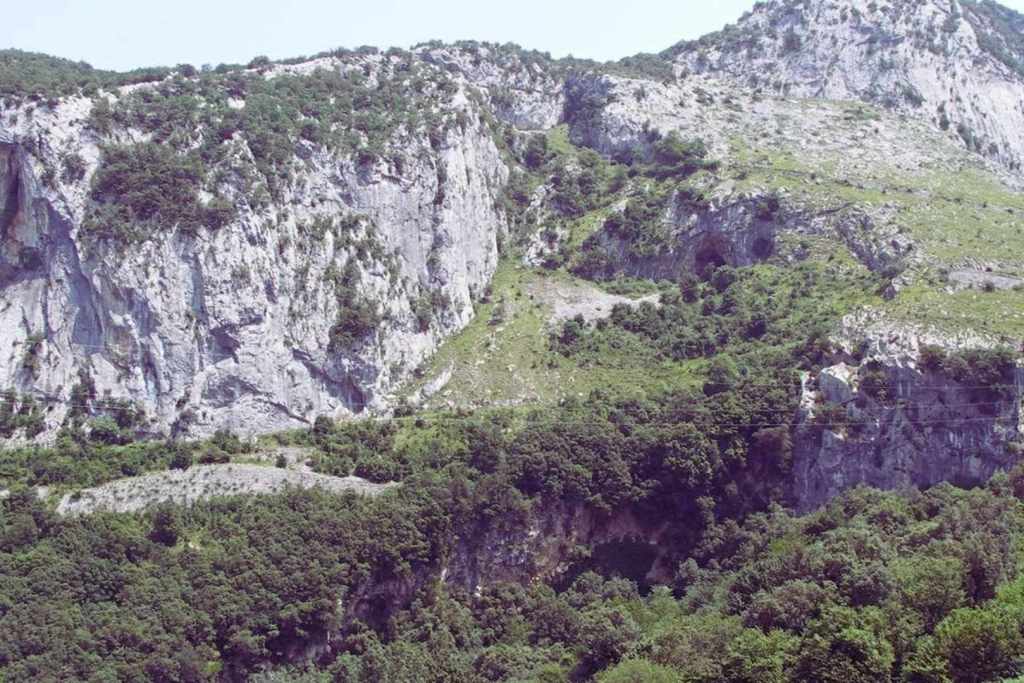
(361,203)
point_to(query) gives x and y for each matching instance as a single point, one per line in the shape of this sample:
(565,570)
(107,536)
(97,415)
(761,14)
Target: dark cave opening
(763,248)
(630,559)
(708,259)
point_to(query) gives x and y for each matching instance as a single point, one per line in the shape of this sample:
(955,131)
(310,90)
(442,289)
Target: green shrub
(32,355)
(932,358)
(980,644)
(641,225)
(536,152)
(357,317)
(39,76)
(72,167)
(148,188)
(874,381)
(675,158)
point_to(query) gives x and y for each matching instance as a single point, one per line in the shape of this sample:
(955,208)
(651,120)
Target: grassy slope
(957,213)
(510,363)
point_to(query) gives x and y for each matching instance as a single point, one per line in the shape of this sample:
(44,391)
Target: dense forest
(916,587)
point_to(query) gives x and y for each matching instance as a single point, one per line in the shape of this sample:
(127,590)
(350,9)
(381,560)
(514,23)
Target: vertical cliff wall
(238,326)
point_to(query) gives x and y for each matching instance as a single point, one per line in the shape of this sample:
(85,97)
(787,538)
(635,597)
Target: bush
(980,644)
(357,320)
(874,381)
(106,431)
(988,372)
(72,167)
(423,309)
(639,671)
(228,441)
(845,646)
(167,526)
(146,188)
(932,358)
(536,152)
(675,158)
(29,74)
(640,224)
(181,458)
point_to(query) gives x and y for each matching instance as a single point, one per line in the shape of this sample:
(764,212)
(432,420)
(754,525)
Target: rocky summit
(536,360)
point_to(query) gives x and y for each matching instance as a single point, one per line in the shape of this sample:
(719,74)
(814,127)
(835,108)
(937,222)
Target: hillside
(957,64)
(463,363)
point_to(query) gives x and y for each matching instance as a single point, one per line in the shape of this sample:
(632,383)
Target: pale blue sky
(122,34)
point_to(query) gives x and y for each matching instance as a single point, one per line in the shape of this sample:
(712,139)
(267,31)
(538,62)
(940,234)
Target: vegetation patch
(146,189)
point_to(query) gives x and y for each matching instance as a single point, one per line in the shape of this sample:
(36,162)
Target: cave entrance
(763,248)
(630,559)
(708,259)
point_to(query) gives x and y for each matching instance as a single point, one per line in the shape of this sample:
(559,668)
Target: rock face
(232,327)
(203,482)
(738,231)
(886,421)
(542,547)
(955,64)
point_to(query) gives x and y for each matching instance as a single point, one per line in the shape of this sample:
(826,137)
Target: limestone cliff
(231,327)
(888,416)
(955,64)
(353,207)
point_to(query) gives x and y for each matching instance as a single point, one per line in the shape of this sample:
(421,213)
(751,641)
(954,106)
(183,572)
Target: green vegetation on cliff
(39,76)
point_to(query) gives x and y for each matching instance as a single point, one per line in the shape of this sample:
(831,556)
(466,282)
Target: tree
(17,531)
(674,157)
(166,527)
(774,446)
(723,375)
(689,287)
(757,657)
(932,586)
(322,426)
(606,635)
(695,645)
(536,152)
(790,606)
(181,458)
(980,644)
(638,671)
(926,664)
(845,645)
(104,430)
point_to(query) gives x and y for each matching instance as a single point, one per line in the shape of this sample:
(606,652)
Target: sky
(124,34)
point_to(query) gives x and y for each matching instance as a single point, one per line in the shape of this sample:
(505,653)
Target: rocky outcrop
(718,225)
(205,482)
(739,231)
(544,547)
(232,327)
(883,418)
(520,87)
(954,64)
